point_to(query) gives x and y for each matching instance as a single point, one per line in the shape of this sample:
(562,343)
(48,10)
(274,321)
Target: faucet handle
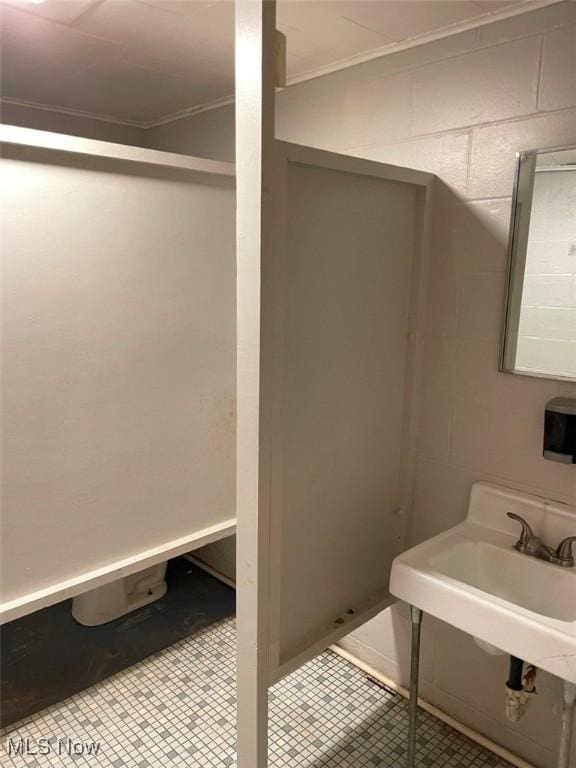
(527,537)
(564,552)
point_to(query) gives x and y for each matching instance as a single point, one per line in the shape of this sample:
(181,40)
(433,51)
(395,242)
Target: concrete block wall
(459,107)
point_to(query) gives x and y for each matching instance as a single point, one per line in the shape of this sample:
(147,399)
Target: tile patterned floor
(177,708)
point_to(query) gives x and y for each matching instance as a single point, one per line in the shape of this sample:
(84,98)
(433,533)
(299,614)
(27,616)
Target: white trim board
(334,161)
(255,210)
(13,135)
(14,102)
(210,570)
(55,593)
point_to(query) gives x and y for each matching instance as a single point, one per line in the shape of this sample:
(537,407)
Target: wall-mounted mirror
(540,331)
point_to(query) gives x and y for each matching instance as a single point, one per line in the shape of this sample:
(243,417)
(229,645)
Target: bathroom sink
(508,575)
(472,577)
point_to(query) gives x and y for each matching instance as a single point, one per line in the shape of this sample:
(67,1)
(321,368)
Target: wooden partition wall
(331,268)
(118,362)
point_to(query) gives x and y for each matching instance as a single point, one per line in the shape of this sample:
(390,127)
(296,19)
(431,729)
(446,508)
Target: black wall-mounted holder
(560,430)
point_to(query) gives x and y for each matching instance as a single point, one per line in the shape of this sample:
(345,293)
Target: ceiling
(144,61)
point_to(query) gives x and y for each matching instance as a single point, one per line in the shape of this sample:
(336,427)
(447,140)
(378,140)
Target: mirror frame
(517,244)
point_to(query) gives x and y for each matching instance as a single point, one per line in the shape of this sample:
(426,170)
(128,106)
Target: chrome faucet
(530,544)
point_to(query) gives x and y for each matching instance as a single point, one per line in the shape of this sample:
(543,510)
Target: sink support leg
(567,723)
(416,619)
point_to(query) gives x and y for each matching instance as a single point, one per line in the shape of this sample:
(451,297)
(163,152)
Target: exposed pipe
(567,724)
(515,674)
(416,620)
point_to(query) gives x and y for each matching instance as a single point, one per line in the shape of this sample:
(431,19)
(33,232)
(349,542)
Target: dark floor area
(47,656)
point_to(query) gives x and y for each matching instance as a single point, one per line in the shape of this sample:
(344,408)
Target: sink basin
(472,577)
(507,574)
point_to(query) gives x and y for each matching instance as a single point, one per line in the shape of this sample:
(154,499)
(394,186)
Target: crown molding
(429,37)
(351,61)
(375,53)
(189,112)
(70,112)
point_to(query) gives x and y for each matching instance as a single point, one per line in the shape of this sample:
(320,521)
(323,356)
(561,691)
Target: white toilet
(109,602)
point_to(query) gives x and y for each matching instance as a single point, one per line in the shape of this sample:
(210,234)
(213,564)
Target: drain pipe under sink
(519,689)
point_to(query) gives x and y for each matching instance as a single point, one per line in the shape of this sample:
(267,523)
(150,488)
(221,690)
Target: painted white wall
(460,107)
(118,388)
(350,275)
(207,134)
(211,138)
(547,330)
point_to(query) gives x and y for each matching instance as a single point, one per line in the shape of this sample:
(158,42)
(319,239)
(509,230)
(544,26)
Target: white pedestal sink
(472,577)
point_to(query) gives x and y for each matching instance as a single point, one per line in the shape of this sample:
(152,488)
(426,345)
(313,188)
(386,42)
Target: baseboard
(434,711)
(212,571)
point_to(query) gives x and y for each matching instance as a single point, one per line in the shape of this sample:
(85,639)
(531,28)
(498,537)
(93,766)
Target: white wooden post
(255,74)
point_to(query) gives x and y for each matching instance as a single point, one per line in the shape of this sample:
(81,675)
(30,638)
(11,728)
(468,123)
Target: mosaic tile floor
(177,708)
